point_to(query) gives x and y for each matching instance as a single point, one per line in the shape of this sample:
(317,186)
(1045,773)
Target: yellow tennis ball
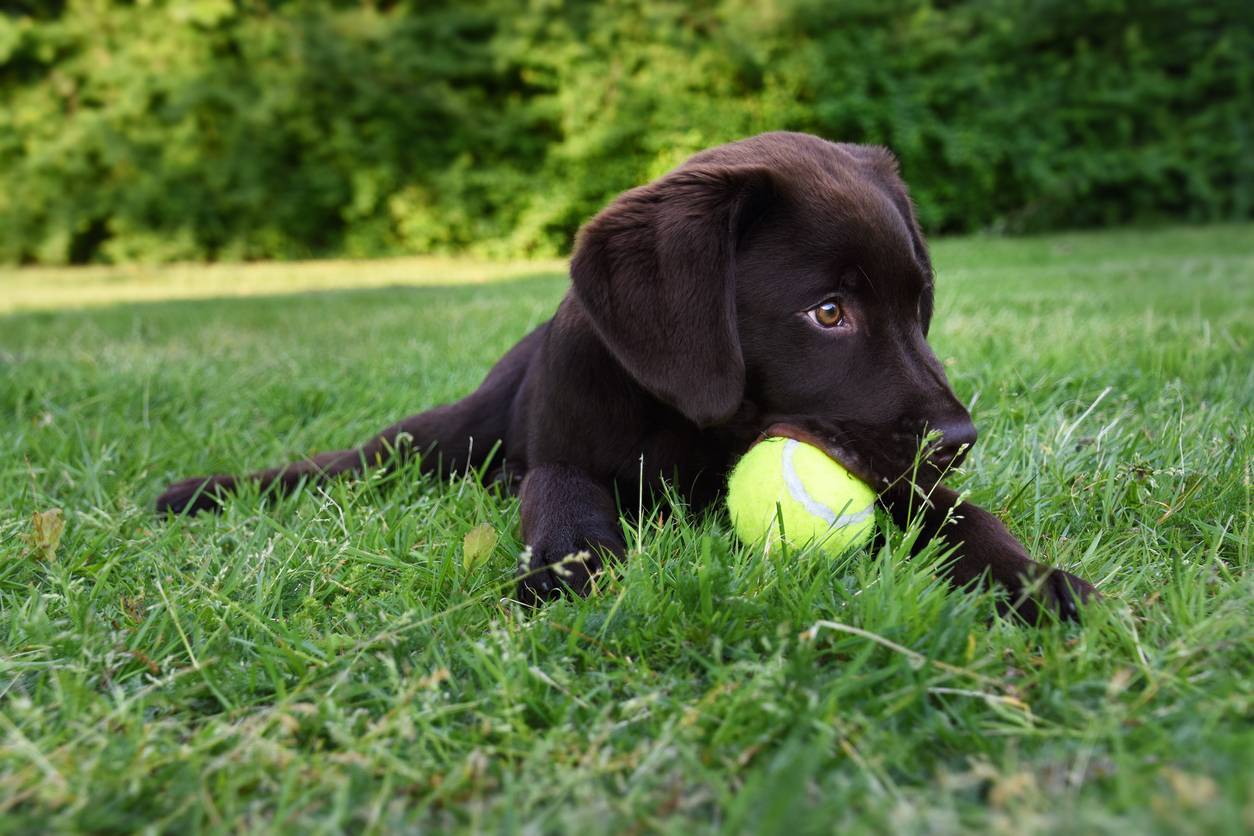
(783,481)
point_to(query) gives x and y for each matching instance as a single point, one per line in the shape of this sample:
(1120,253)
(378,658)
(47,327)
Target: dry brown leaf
(46,530)
(1192,790)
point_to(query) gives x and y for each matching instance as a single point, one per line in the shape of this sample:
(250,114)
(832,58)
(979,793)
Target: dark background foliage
(226,129)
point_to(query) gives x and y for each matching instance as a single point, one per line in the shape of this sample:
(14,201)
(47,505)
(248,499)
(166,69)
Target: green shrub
(188,129)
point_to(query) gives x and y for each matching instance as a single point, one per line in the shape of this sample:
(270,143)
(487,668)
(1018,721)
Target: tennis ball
(782,480)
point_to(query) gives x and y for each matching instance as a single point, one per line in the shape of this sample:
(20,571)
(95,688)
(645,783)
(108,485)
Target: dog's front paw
(1051,590)
(552,568)
(548,573)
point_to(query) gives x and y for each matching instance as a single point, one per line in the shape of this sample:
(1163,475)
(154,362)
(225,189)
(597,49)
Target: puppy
(779,285)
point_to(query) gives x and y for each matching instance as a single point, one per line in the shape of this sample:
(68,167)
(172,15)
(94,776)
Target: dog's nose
(958,435)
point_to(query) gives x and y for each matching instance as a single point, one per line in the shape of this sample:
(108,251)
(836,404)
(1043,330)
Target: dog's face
(833,301)
(780,283)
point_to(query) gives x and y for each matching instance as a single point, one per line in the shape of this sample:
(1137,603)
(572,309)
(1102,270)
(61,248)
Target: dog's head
(780,283)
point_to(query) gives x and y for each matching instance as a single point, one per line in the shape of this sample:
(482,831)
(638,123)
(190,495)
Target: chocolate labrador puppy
(779,285)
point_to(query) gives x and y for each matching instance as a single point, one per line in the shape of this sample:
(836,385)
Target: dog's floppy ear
(655,273)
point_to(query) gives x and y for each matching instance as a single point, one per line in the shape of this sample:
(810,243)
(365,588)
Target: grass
(334,661)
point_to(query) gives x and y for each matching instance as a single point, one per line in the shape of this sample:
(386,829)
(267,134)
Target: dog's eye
(827,315)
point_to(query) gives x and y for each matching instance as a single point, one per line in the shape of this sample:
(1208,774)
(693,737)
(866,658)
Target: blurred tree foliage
(188,129)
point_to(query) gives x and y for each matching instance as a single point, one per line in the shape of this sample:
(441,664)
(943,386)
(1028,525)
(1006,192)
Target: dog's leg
(985,547)
(565,512)
(450,438)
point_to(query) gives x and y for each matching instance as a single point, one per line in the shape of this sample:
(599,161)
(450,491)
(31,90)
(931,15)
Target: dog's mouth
(850,459)
(881,471)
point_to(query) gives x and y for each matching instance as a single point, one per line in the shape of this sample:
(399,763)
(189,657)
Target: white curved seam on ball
(797,490)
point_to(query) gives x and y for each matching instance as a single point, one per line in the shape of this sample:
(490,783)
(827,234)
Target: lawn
(338,660)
